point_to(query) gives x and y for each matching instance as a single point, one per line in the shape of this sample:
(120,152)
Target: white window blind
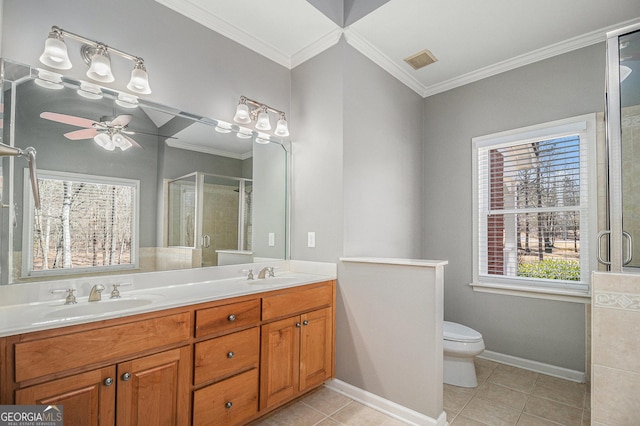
(532,208)
(85,222)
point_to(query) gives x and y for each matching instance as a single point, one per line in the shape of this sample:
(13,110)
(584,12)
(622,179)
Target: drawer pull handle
(108,381)
(230,355)
(298,325)
(231,318)
(126,377)
(228,404)
(305,322)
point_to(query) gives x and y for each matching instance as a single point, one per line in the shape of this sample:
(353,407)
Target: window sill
(536,293)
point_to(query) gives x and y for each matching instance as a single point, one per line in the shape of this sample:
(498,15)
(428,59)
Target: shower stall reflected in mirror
(211,214)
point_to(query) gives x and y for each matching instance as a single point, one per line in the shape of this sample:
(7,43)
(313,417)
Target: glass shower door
(623,145)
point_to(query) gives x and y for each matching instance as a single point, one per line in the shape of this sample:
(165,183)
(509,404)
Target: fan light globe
(55,53)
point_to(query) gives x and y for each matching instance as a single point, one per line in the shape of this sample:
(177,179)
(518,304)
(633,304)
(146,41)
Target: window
(85,223)
(534,211)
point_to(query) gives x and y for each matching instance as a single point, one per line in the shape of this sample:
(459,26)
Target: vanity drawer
(297,301)
(226,355)
(228,402)
(219,319)
(61,353)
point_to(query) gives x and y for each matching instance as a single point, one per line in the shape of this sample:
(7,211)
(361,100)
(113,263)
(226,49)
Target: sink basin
(96,308)
(274,281)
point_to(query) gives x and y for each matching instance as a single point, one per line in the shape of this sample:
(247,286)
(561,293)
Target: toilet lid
(459,333)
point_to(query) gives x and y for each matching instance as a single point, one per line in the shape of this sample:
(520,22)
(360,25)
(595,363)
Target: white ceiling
(472,39)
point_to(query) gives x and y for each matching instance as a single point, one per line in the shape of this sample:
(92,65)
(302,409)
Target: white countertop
(40,315)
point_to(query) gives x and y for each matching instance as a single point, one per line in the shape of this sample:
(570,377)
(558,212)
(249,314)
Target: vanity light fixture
(260,114)
(97,56)
(244,133)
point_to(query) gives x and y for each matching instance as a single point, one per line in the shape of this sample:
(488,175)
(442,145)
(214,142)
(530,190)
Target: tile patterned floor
(505,396)
(325,407)
(511,396)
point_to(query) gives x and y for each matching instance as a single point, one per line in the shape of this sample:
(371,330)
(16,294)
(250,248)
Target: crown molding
(546,52)
(228,30)
(317,47)
(207,150)
(370,51)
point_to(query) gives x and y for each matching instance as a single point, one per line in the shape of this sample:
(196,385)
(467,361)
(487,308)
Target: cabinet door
(87,398)
(154,390)
(280,361)
(316,348)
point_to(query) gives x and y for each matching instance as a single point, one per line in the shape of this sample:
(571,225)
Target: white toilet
(461,344)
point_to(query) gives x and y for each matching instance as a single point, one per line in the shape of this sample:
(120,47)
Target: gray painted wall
(317,175)
(357,169)
(564,86)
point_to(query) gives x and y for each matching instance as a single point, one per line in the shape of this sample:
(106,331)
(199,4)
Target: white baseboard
(385,406)
(538,367)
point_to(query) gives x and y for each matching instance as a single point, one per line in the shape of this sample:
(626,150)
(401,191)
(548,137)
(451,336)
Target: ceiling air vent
(421,59)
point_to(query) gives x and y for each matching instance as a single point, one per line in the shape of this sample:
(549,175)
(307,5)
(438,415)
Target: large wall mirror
(131,186)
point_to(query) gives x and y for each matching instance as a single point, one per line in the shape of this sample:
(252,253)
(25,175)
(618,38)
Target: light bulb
(89,91)
(139,82)
(262,138)
(55,52)
(100,69)
(282,129)
(223,127)
(263,121)
(242,114)
(244,133)
(126,100)
(49,80)
(104,140)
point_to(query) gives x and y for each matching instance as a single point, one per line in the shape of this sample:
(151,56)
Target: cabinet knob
(108,381)
(231,318)
(230,355)
(126,376)
(305,322)
(228,404)
(298,325)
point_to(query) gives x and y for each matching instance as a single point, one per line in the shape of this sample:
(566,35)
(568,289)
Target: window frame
(585,127)
(27,225)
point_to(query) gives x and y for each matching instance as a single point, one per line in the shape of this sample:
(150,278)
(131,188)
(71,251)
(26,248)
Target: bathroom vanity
(228,360)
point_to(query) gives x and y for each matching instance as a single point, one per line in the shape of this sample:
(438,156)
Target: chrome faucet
(267,271)
(96,293)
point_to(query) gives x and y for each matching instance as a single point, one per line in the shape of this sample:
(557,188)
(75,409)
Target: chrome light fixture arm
(95,44)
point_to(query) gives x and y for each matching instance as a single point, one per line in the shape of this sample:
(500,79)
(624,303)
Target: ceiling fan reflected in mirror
(109,134)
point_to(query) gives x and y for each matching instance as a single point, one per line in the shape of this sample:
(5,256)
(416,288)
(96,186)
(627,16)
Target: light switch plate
(272,239)
(311,239)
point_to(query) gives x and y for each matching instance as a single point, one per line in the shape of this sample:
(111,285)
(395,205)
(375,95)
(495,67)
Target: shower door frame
(613,120)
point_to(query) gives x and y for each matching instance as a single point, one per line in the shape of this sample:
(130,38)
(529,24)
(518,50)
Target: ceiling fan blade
(81,134)
(67,119)
(122,120)
(134,143)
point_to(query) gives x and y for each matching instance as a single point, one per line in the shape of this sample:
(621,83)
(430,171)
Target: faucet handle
(115,293)
(249,273)
(270,272)
(70,299)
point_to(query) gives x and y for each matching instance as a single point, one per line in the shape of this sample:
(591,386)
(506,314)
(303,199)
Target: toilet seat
(459,333)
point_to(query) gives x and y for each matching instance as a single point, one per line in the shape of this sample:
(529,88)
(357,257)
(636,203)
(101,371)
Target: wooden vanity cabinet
(225,371)
(297,351)
(223,362)
(141,389)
